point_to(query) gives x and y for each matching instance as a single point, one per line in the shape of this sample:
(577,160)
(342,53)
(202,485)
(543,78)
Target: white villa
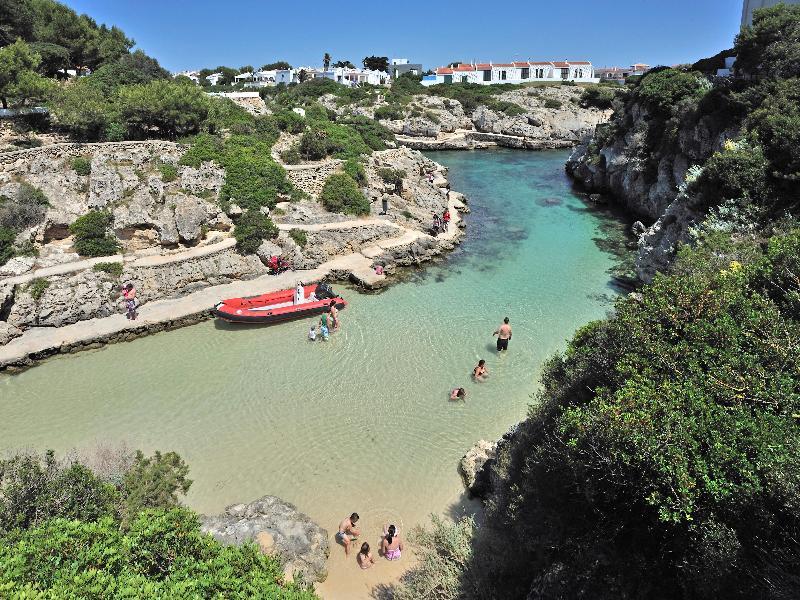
(257,79)
(214,78)
(514,72)
(354,77)
(193,75)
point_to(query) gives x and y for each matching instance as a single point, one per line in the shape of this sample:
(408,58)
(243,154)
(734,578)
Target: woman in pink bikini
(391,545)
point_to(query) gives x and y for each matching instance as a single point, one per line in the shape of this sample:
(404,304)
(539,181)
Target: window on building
(487,75)
(565,73)
(526,73)
(448,79)
(503,75)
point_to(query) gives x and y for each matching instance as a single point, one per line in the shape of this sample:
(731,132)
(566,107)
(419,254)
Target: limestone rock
(279,528)
(105,185)
(8,332)
(17,266)
(472,464)
(190,215)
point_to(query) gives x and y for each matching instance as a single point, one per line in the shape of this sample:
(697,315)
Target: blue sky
(185,34)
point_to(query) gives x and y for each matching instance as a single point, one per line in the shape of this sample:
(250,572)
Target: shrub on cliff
(25,209)
(162,555)
(83,109)
(356,170)
(341,194)
(252,178)
(7,237)
(391,112)
(739,172)
(771,46)
(375,135)
(203,147)
(663,89)
(251,229)
(153,482)
(597,97)
(552,103)
(92,236)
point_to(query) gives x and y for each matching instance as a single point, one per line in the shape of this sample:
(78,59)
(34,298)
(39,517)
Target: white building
(214,78)
(193,75)
(515,72)
(257,79)
(354,77)
(751,5)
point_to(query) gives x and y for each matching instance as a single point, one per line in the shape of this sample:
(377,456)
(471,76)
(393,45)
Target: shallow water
(362,422)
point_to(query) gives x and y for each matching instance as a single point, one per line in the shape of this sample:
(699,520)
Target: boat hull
(276,307)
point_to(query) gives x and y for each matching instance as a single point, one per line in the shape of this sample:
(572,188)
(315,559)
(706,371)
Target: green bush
(299,236)
(82,165)
(771,47)
(7,237)
(597,97)
(172,109)
(391,112)
(153,482)
(355,169)
(37,287)
(290,121)
(111,268)
(83,109)
(251,229)
(374,135)
(26,209)
(663,89)
(314,144)
(394,176)
(162,555)
(552,103)
(224,113)
(341,194)
(203,148)
(291,155)
(252,178)
(737,173)
(511,109)
(91,234)
(169,173)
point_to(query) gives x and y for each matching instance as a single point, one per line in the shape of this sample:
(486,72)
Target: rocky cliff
(641,159)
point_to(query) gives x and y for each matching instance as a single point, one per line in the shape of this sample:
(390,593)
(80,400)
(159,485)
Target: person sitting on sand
(365,560)
(348,532)
(391,545)
(480,372)
(458,394)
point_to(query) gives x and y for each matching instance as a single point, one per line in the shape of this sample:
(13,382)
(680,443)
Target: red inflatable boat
(278,306)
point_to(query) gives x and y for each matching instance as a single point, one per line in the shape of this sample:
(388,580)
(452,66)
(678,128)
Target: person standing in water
(503,334)
(324,320)
(480,372)
(391,545)
(334,315)
(348,532)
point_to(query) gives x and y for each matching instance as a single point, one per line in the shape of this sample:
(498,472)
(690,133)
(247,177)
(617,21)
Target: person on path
(365,560)
(446,218)
(348,532)
(391,545)
(334,315)
(324,320)
(480,372)
(503,334)
(129,295)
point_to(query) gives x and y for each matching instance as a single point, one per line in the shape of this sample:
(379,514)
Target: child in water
(458,394)
(312,333)
(365,560)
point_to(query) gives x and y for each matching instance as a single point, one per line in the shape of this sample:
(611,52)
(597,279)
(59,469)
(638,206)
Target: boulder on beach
(472,465)
(278,528)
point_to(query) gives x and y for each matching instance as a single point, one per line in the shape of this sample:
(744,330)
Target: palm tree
(326,61)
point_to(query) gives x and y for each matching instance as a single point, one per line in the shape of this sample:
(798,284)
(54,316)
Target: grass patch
(111,268)
(299,236)
(169,172)
(37,287)
(81,165)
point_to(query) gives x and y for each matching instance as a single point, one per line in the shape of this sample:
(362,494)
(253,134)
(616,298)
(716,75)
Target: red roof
(579,62)
(444,71)
(560,64)
(463,67)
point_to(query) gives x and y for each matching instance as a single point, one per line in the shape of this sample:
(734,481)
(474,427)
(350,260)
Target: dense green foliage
(252,178)
(37,287)
(169,108)
(771,47)
(342,194)
(356,170)
(299,236)
(110,268)
(24,209)
(252,228)
(67,532)
(7,238)
(92,237)
(597,97)
(169,172)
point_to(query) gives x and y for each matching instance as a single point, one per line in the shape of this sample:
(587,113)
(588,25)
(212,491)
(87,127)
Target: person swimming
(392,545)
(480,372)
(365,560)
(458,394)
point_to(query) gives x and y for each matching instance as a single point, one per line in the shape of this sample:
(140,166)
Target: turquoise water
(361,422)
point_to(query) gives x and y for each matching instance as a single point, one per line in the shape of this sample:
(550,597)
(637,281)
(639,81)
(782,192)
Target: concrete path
(336,225)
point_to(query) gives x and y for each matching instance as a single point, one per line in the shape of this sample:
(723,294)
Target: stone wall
(311,178)
(19,158)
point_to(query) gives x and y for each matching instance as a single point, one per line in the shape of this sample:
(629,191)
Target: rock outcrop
(620,160)
(279,529)
(472,466)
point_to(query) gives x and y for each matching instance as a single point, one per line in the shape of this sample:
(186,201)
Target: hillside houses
(513,72)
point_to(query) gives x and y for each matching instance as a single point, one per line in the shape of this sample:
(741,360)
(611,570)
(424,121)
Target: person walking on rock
(348,532)
(503,334)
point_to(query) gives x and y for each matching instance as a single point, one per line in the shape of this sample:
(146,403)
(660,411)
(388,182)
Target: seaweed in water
(547,202)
